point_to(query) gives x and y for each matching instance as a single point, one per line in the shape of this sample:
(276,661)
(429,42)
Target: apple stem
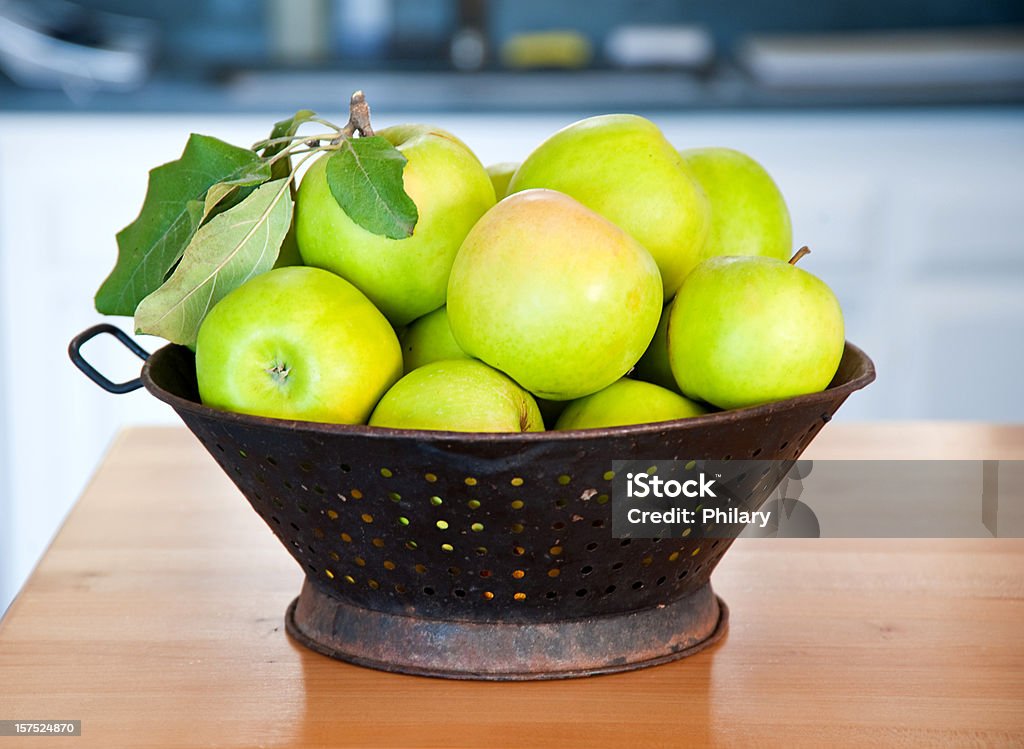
(805,250)
(358,118)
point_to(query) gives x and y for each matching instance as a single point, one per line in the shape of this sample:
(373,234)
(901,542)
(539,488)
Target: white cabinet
(67,185)
(913,217)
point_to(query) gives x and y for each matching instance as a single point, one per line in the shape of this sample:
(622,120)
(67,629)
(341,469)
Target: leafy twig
(263,144)
(218,215)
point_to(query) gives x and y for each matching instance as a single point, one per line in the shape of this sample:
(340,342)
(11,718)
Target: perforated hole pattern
(473,528)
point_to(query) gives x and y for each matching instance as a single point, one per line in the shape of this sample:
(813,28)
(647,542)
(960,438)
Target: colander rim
(863,375)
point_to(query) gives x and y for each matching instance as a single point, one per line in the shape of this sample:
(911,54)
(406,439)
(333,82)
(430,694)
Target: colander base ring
(506,651)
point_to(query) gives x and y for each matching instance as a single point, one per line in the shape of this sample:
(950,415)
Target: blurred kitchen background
(895,128)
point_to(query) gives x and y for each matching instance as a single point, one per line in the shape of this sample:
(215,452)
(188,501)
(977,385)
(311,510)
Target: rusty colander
(482,556)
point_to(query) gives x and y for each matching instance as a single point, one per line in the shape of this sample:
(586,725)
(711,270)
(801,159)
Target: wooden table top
(156,619)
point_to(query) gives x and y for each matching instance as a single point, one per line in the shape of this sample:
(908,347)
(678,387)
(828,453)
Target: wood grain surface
(156,619)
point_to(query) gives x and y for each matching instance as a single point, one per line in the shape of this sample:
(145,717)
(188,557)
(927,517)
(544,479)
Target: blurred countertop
(157,615)
(598,90)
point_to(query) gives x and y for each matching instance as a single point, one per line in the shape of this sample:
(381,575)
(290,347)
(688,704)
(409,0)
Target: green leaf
(234,246)
(172,211)
(365,177)
(219,199)
(283,129)
(286,128)
(215,196)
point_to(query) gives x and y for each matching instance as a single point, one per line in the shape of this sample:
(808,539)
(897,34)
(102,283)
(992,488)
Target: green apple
(500,175)
(428,339)
(750,330)
(554,295)
(405,278)
(297,343)
(289,254)
(627,402)
(654,365)
(621,166)
(457,395)
(748,213)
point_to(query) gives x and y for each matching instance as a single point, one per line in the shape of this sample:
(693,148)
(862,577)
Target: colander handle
(74,351)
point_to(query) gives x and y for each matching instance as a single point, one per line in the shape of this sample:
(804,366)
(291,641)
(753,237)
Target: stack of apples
(608,279)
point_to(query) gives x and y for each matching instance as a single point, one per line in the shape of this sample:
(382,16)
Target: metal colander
(486,556)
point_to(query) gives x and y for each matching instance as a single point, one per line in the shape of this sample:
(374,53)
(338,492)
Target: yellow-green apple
(457,395)
(627,402)
(297,343)
(750,330)
(428,339)
(405,278)
(500,175)
(654,365)
(748,213)
(621,166)
(554,295)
